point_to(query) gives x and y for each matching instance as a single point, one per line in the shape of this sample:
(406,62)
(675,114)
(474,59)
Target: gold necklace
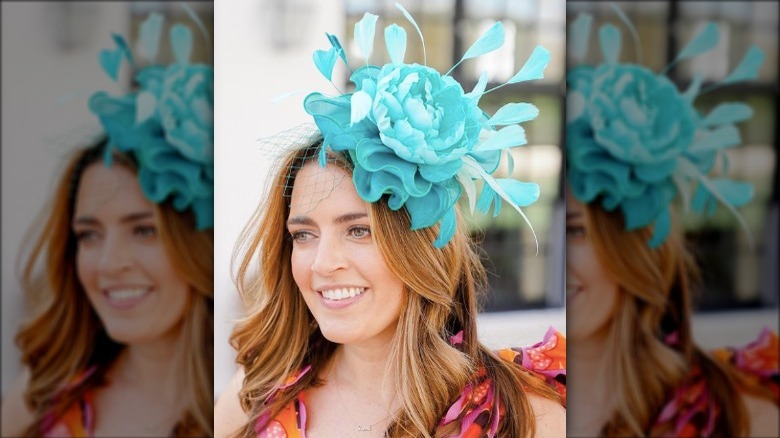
(360,427)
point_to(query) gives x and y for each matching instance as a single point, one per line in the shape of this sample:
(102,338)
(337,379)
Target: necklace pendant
(362,428)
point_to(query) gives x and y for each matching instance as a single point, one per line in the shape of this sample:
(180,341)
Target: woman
(368,318)
(120,342)
(638,370)
(362,318)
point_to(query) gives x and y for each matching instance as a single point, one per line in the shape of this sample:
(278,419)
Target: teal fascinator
(167,123)
(634,141)
(415,135)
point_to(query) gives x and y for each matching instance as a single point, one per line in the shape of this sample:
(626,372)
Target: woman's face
(591,294)
(121,261)
(337,266)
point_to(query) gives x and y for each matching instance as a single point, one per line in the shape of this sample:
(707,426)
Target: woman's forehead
(314,184)
(112,187)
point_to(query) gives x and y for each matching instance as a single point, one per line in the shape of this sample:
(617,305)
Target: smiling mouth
(342,293)
(126,295)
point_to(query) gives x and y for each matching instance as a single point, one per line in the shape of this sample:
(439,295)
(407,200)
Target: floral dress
(78,420)
(479,412)
(691,411)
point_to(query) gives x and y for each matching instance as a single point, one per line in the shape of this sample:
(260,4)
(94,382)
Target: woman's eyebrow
(129,218)
(300,220)
(344,218)
(573,215)
(349,217)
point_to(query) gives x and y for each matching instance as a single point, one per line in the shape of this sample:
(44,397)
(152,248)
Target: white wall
(44,115)
(249,73)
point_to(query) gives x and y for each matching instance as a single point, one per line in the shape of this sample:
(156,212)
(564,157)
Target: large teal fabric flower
(416,137)
(167,124)
(634,141)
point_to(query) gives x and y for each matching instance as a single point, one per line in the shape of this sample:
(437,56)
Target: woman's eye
(86,236)
(360,232)
(300,236)
(575,231)
(145,231)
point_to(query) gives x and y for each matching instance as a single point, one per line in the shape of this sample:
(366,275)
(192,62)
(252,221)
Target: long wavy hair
(279,336)
(64,338)
(650,343)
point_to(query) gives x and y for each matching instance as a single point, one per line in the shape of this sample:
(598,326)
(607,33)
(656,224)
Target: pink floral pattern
(476,408)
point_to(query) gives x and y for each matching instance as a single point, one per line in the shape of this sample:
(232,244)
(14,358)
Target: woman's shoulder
(75,420)
(16,415)
(229,416)
(549,414)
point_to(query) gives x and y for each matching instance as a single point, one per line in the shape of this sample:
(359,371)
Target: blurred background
(49,71)
(263,49)
(740,291)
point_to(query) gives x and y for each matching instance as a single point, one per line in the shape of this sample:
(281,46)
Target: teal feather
(150,32)
(661,227)
(520,193)
(479,88)
(395,39)
(360,104)
(631,30)
(579,35)
(488,42)
(491,40)
(181,43)
(325,61)
(510,161)
(513,113)
(723,137)
(446,229)
(533,67)
(694,88)
(465,180)
(703,42)
(728,113)
(610,40)
(414,23)
(748,67)
(145,104)
(199,23)
(510,136)
(364,34)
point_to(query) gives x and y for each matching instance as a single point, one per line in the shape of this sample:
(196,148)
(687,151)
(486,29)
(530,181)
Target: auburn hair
(279,336)
(650,343)
(64,337)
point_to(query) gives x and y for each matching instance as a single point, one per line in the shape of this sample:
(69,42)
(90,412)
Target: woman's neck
(152,366)
(364,367)
(590,386)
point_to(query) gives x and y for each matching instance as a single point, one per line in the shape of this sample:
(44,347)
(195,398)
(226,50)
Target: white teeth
(343,293)
(126,294)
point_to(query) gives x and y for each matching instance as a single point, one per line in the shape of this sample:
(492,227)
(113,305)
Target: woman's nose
(115,255)
(330,257)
